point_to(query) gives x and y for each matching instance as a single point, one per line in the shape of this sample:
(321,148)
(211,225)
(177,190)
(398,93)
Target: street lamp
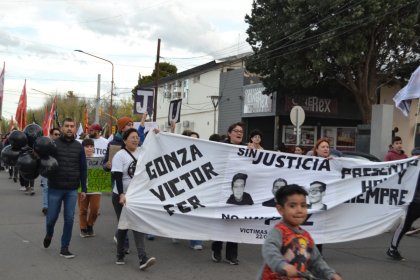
(215,100)
(112,84)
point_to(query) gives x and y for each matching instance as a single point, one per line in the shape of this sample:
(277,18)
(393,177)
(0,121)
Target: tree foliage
(359,44)
(165,69)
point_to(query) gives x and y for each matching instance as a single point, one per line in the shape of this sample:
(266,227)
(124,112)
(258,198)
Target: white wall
(197,107)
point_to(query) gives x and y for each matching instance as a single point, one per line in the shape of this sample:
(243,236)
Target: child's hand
(291,270)
(336,277)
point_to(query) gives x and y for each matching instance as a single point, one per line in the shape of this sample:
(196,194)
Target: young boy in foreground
(289,249)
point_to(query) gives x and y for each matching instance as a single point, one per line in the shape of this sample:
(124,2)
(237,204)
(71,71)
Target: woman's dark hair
(284,192)
(255,132)
(232,126)
(301,147)
(127,133)
(53,129)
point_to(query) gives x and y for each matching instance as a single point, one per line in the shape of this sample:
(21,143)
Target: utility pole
(215,100)
(98,99)
(156,81)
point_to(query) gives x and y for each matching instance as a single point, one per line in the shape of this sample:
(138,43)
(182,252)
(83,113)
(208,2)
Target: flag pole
(417,121)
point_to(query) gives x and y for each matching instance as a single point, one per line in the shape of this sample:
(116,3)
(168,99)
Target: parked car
(360,155)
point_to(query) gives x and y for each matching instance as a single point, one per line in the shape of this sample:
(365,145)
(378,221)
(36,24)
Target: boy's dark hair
(283,193)
(395,139)
(215,137)
(88,142)
(255,132)
(237,176)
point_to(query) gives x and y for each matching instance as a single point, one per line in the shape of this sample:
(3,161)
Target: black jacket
(72,167)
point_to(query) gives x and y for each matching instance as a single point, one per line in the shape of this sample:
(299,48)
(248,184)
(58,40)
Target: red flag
(45,129)
(21,109)
(12,124)
(51,115)
(86,121)
(2,87)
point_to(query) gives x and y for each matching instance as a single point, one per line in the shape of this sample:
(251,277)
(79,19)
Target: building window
(341,138)
(307,139)
(186,88)
(196,79)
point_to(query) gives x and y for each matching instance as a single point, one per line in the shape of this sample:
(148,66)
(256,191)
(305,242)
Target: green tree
(359,44)
(165,69)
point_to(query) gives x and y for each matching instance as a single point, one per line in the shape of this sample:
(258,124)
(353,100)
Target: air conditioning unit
(186,124)
(177,95)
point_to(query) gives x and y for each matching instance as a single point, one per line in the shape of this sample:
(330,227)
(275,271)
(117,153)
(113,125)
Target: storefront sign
(313,104)
(255,101)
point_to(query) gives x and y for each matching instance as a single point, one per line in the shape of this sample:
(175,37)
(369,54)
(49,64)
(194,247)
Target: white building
(199,88)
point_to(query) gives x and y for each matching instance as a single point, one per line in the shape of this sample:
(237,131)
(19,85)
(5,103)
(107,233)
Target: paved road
(22,228)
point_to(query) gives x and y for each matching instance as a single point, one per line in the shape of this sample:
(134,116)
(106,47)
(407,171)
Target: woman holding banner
(322,149)
(123,169)
(235,136)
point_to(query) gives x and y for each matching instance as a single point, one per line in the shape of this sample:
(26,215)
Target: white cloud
(37,39)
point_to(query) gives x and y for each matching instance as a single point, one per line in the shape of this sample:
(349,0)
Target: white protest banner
(182,188)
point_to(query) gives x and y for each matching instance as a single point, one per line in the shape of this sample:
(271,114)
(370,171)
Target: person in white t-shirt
(123,169)
(101,144)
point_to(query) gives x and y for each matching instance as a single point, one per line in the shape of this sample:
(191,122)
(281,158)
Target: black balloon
(32,132)
(44,147)
(17,140)
(9,156)
(48,166)
(27,164)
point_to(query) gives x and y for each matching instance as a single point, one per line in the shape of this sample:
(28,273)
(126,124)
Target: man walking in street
(63,185)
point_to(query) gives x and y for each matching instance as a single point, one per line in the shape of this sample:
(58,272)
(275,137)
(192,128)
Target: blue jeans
(55,198)
(195,242)
(44,185)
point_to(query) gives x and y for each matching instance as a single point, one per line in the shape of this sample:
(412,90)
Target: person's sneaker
(147,262)
(47,241)
(90,231)
(31,191)
(66,253)
(412,231)
(394,254)
(44,211)
(197,247)
(232,262)
(120,260)
(84,233)
(216,256)
(22,189)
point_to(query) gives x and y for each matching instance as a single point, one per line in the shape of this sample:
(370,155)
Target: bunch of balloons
(30,152)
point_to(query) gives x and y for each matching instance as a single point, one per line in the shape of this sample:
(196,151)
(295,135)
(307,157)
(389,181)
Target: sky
(38,39)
